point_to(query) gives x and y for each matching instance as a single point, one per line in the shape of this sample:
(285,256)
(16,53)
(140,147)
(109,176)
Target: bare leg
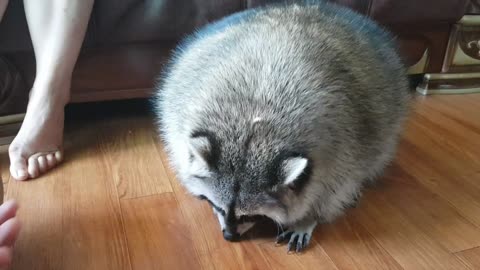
(57,28)
(3,7)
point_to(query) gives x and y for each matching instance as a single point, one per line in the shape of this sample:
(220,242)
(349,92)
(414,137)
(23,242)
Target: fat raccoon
(284,111)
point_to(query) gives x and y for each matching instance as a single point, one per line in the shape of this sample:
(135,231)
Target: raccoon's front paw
(299,236)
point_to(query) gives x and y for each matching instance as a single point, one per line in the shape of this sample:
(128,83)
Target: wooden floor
(114,204)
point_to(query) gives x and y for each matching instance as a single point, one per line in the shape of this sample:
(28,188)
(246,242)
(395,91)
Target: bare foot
(38,145)
(9,229)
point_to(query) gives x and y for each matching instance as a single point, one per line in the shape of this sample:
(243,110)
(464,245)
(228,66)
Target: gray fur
(317,82)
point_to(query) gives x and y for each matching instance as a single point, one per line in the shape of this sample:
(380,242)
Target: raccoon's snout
(233,231)
(230,232)
(230,235)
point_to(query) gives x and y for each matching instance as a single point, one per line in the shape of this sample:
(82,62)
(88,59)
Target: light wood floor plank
(71,216)
(351,247)
(115,204)
(129,152)
(470,257)
(428,211)
(314,258)
(400,237)
(157,235)
(447,184)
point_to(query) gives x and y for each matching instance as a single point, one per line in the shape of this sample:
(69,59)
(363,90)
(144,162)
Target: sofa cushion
(417,12)
(125,21)
(400,11)
(152,20)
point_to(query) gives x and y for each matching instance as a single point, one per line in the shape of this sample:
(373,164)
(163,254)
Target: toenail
(50,160)
(58,155)
(21,173)
(33,173)
(33,167)
(42,162)
(31,160)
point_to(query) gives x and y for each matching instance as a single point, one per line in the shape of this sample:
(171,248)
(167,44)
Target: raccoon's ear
(204,146)
(296,171)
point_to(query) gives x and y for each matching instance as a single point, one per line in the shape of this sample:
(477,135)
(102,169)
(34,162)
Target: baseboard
(449,83)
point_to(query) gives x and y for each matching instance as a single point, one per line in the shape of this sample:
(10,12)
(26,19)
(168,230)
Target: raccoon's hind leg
(299,235)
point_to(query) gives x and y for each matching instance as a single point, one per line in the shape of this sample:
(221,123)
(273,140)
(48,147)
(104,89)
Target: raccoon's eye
(199,177)
(220,210)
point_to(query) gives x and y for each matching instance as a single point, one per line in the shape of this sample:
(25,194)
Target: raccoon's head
(243,179)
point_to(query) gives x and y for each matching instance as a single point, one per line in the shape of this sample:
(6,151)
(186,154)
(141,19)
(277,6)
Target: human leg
(57,28)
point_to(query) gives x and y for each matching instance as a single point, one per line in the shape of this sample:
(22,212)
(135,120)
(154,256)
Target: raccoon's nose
(229,236)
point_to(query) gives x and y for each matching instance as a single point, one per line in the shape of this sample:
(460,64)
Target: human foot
(9,229)
(38,145)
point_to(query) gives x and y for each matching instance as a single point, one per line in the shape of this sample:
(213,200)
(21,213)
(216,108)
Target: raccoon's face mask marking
(241,194)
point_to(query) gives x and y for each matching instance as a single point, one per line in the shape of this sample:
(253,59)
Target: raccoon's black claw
(283,236)
(298,241)
(299,236)
(293,242)
(304,243)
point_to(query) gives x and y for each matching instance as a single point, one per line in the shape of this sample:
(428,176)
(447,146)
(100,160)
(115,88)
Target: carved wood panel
(463,53)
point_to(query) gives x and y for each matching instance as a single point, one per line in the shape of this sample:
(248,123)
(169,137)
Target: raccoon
(284,111)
